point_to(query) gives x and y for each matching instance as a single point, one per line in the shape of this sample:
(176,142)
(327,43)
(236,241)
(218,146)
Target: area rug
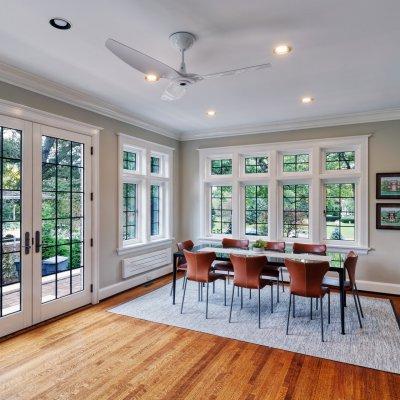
(376,346)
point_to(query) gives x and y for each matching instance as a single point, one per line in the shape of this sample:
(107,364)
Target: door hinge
(91,150)
(91,196)
(91,288)
(91,242)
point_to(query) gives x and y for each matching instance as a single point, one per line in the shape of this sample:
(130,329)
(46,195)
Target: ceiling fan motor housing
(182,40)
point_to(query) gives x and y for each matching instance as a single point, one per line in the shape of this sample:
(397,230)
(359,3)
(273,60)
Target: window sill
(144,246)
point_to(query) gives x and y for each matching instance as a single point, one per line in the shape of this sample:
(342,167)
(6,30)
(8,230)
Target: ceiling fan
(155,70)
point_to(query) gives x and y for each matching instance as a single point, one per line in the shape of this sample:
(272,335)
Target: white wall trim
(46,87)
(296,124)
(136,281)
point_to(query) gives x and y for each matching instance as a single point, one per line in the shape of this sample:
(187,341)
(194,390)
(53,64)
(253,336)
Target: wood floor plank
(94,355)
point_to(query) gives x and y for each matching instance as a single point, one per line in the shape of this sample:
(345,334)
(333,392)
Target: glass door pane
(62,217)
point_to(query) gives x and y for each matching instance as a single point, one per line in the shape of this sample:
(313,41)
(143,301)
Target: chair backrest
(275,246)
(247,270)
(302,248)
(306,278)
(350,264)
(235,243)
(199,265)
(186,245)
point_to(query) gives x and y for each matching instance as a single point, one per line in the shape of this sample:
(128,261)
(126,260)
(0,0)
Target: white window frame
(144,179)
(316,177)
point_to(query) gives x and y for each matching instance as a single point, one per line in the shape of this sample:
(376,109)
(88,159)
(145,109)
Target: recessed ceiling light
(151,78)
(282,49)
(211,113)
(60,23)
(307,100)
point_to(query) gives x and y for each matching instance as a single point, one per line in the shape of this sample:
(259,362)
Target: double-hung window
(145,192)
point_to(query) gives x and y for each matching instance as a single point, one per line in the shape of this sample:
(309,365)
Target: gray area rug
(376,346)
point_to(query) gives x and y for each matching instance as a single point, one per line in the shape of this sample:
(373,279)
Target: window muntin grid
(221,209)
(256,210)
(296,211)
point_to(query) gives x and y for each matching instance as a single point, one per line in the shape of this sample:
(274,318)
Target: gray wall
(383,263)
(110,269)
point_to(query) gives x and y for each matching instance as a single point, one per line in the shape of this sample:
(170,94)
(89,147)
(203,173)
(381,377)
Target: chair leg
(359,302)
(294,306)
(259,308)
(207,301)
(184,292)
(272,298)
(322,320)
(277,290)
(225,292)
(230,311)
(288,314)
(316,305)
(213,287)
(249,293)
(358,312)
(238,291)
(241,298)
(311,308)
(283,285)
(329,307)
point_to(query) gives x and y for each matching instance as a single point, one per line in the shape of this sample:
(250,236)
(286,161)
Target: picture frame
(388,185)
(388,216)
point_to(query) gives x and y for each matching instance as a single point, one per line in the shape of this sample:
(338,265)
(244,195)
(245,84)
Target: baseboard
(369,286)
(119,287)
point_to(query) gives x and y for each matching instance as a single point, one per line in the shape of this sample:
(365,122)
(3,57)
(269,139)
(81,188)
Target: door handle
(38,245)
(27,243)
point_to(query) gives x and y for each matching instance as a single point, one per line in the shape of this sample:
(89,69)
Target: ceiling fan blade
(237,71)
(140,61)
(173,92)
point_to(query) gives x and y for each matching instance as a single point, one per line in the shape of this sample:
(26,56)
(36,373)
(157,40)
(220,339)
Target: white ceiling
(345,55)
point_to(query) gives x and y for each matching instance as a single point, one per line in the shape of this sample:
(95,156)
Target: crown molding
(296,124)
(46,87)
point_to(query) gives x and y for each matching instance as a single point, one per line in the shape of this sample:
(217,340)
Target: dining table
(223,254)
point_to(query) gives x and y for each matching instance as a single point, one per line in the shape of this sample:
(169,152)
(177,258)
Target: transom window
(256,209)
(221,210)
(296,211)
(155,210)
(129,161)
(129,211)
(340,211)
(155,165)
(256,165)
(296,162)
(339,160)
(221,167)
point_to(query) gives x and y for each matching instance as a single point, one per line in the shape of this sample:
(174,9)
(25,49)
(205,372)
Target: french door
(45,177)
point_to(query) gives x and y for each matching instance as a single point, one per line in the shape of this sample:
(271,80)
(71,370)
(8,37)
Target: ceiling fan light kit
(180,79)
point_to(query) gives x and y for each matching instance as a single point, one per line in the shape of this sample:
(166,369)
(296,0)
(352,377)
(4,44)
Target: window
(256,209)
(340,160)
(155,165)
(155,210)
(296,163)
(145,206)
(129,211)
(221,167)
(284,191)
(256,165)
(340,211)
(129,161)
(221,210)
(295,211)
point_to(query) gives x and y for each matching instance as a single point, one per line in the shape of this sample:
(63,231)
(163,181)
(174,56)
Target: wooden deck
(93,354)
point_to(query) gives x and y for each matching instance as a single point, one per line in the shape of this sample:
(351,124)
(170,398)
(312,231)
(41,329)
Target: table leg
(174,278)
(342,298)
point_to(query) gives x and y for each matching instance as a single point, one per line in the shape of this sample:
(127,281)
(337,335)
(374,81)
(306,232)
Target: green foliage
(259,244)
(336,234)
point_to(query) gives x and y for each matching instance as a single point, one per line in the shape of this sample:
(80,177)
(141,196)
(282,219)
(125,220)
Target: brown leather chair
(349,285)
(247,274)
(306,281)
(199,270)
(274,268)
(234,244)
(182,266)
(309,248)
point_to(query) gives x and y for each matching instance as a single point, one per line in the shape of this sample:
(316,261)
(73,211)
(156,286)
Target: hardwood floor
(93,354)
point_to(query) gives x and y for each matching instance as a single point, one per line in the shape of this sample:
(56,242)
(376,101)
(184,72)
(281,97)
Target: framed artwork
(388,216)
(388,185)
